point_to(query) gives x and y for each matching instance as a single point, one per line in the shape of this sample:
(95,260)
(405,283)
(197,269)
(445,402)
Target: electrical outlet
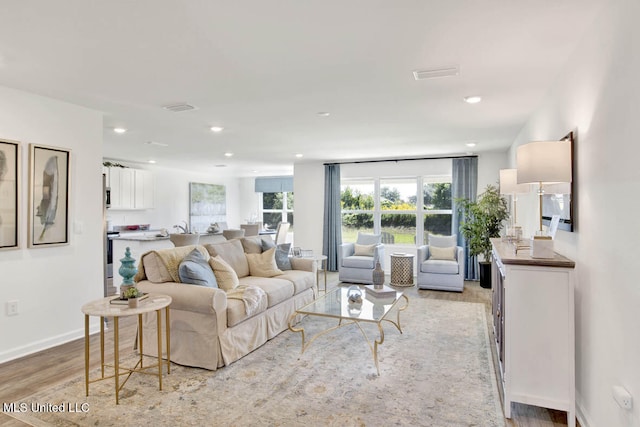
(12,308)
(622,397)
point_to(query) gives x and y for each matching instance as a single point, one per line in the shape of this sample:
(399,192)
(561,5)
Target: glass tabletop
(335,303)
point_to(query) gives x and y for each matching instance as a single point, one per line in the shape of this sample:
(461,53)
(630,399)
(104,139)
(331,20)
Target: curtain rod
(399,160)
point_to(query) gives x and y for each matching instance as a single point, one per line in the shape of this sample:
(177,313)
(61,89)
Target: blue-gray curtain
(332,229)
(464,185)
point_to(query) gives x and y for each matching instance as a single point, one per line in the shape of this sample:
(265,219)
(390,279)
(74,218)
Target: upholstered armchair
(441,264)
(357,260)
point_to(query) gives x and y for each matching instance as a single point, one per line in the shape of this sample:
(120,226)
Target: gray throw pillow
(195,270)
(282,256)
(267,243)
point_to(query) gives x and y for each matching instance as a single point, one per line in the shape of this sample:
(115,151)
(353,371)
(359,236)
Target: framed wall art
(48,196)
(9,194)
(207,204)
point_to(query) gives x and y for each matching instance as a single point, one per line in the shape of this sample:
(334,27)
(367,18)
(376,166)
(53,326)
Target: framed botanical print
(9,194)
(48,196)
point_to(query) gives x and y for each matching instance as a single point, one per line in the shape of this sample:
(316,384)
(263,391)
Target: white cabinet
(534,325)
(131,188)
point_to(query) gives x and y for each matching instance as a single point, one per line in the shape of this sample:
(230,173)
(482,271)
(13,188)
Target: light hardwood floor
(25,376)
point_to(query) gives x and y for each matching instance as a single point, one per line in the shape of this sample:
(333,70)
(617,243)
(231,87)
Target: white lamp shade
(544,161)
(509,182)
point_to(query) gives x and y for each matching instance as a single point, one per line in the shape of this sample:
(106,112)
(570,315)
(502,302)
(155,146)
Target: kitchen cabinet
(131,188)
(534,328)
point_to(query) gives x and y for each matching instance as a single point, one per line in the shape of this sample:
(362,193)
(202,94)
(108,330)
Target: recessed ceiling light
(227,154)
(472,99)
(470,144)
(216,128)
(298,155)
(152,161)
(324,113)
(220,166)
(119,130)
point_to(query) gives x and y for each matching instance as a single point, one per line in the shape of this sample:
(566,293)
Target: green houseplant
(132,295)
(481,220)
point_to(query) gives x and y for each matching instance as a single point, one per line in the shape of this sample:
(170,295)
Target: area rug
(438,372)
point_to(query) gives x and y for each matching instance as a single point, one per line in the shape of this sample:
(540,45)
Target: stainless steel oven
(110,234)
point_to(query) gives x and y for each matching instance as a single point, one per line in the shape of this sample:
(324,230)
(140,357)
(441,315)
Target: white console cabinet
(533,319)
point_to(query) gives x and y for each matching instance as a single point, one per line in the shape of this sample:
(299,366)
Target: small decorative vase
(133,302)
(127,268)
(378,276)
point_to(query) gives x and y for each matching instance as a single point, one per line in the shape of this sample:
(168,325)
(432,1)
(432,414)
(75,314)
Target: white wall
(309,188)
(598,96)
(172,199)
(51,284)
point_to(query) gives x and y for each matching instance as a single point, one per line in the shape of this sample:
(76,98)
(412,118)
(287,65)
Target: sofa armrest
(423,254)
(199,299)
(345,250)
(304,264)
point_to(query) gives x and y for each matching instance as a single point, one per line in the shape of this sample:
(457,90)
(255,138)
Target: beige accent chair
(250,229)
(233,233)
(281,233)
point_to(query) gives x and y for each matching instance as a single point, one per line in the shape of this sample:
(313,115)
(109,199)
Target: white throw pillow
(364,250)
(445,254)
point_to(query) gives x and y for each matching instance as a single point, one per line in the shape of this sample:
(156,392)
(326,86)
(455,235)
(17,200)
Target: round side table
(402,269)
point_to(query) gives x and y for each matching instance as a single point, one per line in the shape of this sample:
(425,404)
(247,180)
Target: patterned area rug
(437,373)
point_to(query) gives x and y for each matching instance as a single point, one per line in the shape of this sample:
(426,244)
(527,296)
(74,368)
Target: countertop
(150,236)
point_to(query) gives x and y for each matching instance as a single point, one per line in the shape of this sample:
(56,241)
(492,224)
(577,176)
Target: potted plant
(132,295)
(481,220)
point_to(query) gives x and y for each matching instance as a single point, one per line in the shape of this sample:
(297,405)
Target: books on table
(383,292)
(118,300)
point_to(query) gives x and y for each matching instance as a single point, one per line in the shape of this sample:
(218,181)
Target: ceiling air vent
(436,73)
(178,108)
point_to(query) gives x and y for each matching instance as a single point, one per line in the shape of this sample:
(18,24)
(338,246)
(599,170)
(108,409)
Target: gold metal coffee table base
(327,307)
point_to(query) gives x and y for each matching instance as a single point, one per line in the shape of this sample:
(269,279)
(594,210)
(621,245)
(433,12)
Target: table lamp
(509,185)
(543,162)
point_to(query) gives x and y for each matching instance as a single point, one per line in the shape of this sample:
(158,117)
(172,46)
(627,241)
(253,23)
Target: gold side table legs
(116,351)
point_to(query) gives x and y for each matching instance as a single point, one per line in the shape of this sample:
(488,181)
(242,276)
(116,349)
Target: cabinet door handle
(497,313)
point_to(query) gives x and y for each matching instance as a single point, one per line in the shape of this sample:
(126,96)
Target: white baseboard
(581,413)
(45,344)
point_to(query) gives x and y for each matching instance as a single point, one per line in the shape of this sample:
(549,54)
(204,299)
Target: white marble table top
(104,308)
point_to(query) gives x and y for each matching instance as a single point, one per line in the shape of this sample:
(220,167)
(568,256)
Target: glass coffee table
(335,304)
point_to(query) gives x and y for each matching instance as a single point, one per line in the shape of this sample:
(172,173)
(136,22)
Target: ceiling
(263,70)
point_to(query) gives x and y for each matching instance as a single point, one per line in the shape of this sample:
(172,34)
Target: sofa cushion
(357,261)
(364,250)
(368,239)
(442,253)
(237,308)
(282,256)
(194,269)
(225,275)
(263,264)
(232,252)
(439,266)
(252,244)
(301,279)
(155,269)
(277,289)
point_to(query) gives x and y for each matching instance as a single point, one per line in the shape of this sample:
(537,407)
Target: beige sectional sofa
(214,326)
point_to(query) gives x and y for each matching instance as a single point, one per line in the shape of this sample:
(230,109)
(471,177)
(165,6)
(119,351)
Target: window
(357,201)
(277,207)
(391,206)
